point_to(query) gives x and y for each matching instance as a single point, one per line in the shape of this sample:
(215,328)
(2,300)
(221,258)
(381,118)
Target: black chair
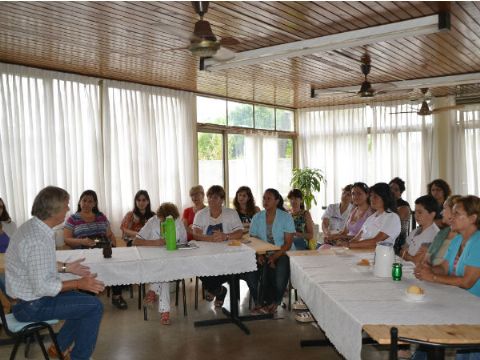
(26,332)
(435,351)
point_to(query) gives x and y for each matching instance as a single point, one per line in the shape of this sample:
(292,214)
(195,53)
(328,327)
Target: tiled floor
(124,335)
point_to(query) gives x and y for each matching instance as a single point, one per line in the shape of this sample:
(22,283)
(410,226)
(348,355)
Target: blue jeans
(422,355)
(82,314)
(274,281)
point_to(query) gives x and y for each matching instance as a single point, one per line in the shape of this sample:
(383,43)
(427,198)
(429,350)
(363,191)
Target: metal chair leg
(393,343)
(15,348)
(184,298)
(196,293)
(177,289)
(42,346)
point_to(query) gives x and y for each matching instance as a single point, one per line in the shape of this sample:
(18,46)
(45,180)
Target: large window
(241,144)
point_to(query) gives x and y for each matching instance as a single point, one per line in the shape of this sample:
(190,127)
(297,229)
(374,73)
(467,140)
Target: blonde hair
(197,189)
(452,200)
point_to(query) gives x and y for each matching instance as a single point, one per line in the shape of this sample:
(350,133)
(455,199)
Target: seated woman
(440,190)
(415,247)
(276,226)
(197,194)
(244,203)
(215,224)
(438,248)
(134,220)
(87,224)
(383,225)
(397,186)
(150,235)
(336,215)
(357,218)
(461,266)
(302,220)
(9,226)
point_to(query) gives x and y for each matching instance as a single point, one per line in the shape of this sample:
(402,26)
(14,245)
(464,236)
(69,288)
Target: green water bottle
(169,233)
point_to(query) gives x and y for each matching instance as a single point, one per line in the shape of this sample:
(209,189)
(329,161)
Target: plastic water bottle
(169,233)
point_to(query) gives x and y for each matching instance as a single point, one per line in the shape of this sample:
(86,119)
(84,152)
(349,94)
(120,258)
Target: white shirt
(228,221)
(31,264)
(151,230)
(387,223)
(9,228)
(337,220)
(427,235)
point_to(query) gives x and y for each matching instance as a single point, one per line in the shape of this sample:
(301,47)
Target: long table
(346,298)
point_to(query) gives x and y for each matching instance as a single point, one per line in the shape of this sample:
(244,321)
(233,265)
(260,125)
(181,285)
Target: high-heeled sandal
(165,318)
(150,298)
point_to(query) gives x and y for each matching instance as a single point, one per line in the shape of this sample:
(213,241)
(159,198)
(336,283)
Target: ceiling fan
(425,110)
(202,42)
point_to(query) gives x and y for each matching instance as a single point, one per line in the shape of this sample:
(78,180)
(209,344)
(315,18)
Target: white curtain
(465,128)
(149,144)
(334,139)
(401,146)
(368,143)
(49,135)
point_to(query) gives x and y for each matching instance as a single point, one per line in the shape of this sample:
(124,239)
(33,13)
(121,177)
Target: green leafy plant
(308,181)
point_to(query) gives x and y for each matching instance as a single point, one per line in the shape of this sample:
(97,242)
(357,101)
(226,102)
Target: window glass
(211,111)
(284,120)
(264,118)
(240,114)
(210,159)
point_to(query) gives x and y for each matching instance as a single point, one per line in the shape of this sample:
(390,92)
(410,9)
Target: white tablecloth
(344,297)
(134,265)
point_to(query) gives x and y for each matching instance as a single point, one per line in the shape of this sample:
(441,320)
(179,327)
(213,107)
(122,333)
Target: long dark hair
(442,184)
(148,210)
(4,216)
(277,196)
(250,202)
(93,194)
(383,190)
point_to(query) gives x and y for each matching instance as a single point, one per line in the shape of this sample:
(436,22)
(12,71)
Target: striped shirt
(82,229)
(31,265)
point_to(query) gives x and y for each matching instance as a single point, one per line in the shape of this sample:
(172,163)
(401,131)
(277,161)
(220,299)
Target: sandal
(269,309)
(165,318)
(52,352)
(304,317)
(119,303)
(150,298)
(299,305)
(219,299)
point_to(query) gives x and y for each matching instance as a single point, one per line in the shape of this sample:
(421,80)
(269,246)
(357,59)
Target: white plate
(414,297)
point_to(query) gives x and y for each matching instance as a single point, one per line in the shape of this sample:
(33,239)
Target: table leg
(232,315)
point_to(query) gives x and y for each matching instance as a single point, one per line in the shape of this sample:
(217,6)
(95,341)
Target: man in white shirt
(215,224)
(33,280)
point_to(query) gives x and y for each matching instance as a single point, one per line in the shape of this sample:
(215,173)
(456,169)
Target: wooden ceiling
(122,41)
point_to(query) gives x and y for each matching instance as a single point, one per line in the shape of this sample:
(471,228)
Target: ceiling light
(419,26)
(440,81)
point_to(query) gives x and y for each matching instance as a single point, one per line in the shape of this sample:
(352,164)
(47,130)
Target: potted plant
(308,181)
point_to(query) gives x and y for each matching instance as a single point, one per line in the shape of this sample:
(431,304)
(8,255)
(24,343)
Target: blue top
(282,224)
(470,257)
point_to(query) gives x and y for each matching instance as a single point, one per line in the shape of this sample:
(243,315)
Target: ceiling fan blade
(453,107)
(224,54)
(229,41)
(177,32)
(403,112)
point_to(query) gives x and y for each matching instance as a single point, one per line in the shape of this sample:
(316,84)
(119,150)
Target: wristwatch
(64,268)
